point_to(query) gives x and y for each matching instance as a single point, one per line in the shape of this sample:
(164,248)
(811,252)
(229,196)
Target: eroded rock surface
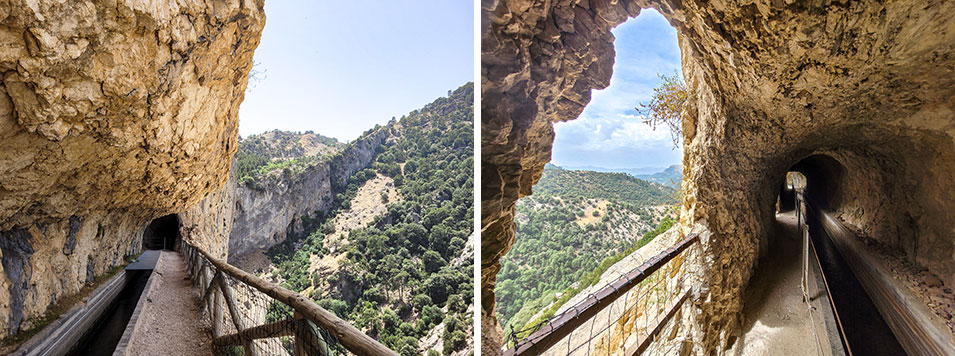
(111,113)
(866,83)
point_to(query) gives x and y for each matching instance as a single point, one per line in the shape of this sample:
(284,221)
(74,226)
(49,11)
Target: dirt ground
(170,323)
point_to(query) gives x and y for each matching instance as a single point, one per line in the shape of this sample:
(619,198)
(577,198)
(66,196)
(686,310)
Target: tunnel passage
(794,181)
(824,179)
(162,233)
(773,83)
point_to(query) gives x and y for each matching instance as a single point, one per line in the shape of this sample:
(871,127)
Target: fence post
(305,338)
(216,313)
(236,318)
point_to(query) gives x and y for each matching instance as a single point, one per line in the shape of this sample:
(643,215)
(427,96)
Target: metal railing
(251,316)
(623,317)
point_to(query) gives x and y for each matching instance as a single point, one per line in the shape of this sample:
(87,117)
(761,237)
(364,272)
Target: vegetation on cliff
(666,106)
(576,225)
(407,271)
(273,150)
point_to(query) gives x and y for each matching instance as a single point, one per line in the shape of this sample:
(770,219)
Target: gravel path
(170,323)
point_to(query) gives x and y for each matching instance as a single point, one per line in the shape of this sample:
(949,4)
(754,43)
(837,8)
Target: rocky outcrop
(111,113)
(270,208)
(867,83)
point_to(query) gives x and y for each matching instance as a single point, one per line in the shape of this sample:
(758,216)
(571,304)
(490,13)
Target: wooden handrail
(350,337)
(276,329)
(541,340)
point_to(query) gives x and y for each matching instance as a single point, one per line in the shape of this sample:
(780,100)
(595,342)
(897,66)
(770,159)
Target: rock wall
(208,225)
(268,211)
(869,83)
(112,113)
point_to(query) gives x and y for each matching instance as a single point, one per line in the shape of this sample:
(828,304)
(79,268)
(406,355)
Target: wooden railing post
(306,342)
(306,310)
(236,318)
(210,288)
(216,310)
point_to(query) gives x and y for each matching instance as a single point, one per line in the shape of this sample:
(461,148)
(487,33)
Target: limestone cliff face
(864,82)
(208,225)
(111,113)
(269,210)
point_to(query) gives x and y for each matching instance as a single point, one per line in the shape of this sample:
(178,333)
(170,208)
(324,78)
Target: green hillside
(575,225)
(619,187)
(409,270)
(263,153)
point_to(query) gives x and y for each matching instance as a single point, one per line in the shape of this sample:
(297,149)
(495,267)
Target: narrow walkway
(775,318)
(169,323)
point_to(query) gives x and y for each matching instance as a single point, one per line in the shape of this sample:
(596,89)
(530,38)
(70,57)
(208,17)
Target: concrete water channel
(104,323)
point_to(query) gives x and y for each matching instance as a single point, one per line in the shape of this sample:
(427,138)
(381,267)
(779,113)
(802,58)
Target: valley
(575,226)
(386,247)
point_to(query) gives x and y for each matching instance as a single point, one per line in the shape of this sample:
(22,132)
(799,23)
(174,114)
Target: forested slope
(575,225)
(391,256)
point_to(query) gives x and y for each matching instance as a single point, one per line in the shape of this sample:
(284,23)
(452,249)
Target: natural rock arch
(774,83)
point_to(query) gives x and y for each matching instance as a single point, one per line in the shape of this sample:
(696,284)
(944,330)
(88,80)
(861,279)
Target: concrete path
(775,318)
(169,323)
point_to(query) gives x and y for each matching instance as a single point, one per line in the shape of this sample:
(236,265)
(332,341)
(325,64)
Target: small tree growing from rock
(665,106)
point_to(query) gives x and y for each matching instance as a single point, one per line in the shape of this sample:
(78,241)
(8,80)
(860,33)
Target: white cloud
(610,132)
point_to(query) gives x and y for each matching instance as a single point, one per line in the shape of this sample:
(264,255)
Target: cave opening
(794,182)
(162,233)
(824,180)
(612,179)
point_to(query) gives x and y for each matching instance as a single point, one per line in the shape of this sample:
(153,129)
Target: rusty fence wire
(622,318)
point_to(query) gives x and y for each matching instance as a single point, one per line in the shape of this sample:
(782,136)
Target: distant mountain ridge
(276,149)
(671,176)
(634,171)
(616,186)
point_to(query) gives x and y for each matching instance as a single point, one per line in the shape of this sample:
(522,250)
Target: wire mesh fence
(248,320)
(620,318)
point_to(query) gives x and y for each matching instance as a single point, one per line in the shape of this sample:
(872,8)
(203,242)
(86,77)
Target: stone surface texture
(208,225)
(868,84)
(112,113)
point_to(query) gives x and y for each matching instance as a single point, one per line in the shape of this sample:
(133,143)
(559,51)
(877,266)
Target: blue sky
(609,133)
(340,67)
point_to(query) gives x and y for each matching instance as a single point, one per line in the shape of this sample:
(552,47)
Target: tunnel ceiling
(867,83)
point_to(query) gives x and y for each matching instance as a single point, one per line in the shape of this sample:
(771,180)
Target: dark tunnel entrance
(824,180)
(162,233)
